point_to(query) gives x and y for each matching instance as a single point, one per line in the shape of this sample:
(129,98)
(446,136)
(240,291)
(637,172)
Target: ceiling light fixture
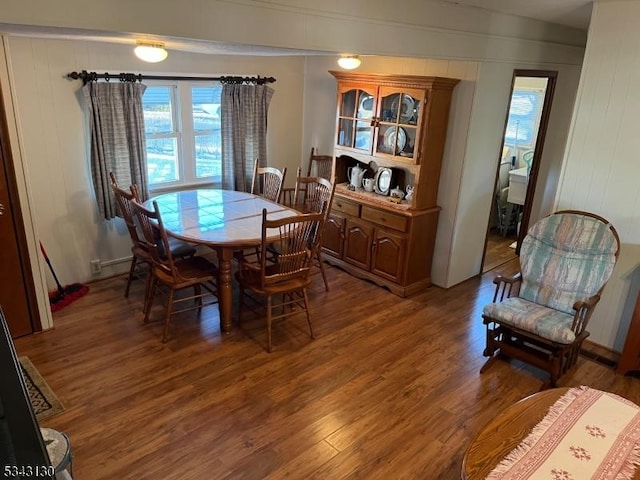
(150,52)
(349,62)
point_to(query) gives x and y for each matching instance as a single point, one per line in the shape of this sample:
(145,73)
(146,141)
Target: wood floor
(389,389)
(498,251)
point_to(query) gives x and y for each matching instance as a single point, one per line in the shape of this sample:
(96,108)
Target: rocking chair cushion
(545,322)
(564,258)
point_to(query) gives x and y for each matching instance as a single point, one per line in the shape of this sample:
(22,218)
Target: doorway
(17,295)
(518,164)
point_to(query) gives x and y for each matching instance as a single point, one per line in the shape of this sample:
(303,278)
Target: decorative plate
(391,140)
(365,108)
(382,181)
(407,109)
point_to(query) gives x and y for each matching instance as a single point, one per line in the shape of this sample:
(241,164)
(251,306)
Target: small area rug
(44,402)
(587,434)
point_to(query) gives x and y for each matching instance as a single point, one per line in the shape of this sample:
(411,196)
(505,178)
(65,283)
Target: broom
(64,295)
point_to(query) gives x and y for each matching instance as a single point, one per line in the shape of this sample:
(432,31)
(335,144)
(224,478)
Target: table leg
(225,289)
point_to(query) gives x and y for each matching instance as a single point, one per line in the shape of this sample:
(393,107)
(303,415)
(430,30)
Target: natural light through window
(524,115)
(182,124)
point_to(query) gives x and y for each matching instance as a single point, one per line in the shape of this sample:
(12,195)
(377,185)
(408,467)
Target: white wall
(601,168)
(484,145)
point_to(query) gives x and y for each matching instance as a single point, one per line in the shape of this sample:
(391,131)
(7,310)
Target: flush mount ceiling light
(349,62)
(150,52)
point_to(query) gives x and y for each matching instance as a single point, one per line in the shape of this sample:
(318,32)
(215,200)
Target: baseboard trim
(600,354)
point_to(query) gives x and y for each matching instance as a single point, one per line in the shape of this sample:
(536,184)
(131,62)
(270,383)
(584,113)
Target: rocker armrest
(584,309)
(505,286)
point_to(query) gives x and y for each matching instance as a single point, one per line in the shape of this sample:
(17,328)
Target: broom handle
(60,289)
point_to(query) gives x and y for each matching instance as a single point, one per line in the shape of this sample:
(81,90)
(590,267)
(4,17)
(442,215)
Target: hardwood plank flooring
(390,387)
(498,251)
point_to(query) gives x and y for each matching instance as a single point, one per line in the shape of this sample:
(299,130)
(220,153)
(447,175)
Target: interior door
(17,295)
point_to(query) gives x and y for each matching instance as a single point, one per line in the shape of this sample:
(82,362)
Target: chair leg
(150,293)
(240,303)
(167,316)
(132,268)
(269,303)
(554,370)
(197,291)
(306,311)
(488,363)
(322,270)
(489,348)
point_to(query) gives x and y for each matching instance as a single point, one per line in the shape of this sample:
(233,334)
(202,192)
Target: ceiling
(571,13)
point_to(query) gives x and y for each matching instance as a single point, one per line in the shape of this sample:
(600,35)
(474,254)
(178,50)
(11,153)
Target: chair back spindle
(267,181)
(321,166)
(155,238)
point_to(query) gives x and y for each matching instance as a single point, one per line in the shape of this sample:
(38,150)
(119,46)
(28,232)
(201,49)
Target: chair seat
(190,270)
(252,279)
(531,317)
(180,248)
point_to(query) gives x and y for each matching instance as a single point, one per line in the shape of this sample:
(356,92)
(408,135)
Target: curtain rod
(87,77)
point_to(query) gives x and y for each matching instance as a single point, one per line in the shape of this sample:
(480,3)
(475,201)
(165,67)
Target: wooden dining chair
(195,272)
(267,181)
(315,195)
(288,277)
(318,166)
(321,165)
(139,253)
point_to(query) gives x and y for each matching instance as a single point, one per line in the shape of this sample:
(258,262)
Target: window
(524,117)
(182,124)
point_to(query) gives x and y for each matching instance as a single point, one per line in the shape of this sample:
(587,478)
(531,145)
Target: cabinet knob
(1,209)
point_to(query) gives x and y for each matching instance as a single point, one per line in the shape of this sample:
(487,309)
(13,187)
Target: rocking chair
(541,314)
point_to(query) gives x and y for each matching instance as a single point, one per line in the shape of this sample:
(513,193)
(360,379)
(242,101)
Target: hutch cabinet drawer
(387,219)
(345,206)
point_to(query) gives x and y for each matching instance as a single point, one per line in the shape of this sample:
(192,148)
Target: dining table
(223,220)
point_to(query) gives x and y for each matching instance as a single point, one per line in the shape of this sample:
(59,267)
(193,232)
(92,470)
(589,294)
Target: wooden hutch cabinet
(394,127)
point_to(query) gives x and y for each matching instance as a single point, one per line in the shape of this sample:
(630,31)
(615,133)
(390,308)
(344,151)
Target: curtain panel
(244,111)
(118,145)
